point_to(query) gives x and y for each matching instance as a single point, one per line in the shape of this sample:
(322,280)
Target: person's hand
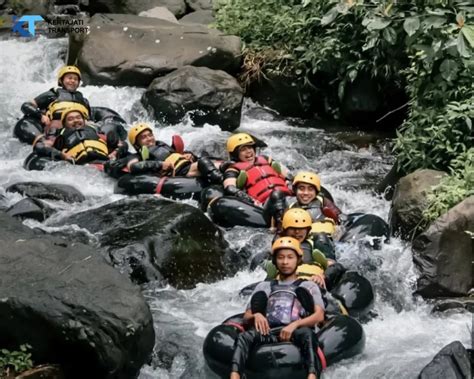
(261,324)
(167,167)
(189,157)
(45,120)
(319,280)
(287,332)
(68,158)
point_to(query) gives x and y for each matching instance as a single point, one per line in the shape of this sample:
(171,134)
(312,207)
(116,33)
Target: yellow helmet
(68,70)
(296,218)
(308,178)
(136,130)
(75,107)
(287,243)
(327,226)
(238,140)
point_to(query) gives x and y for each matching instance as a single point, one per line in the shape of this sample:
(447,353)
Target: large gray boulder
(198,17)
(177,7)
(133,50)
(451,362)
(211,96)
(48,191)
(73,308)
(410,200)
(444,253)
(159,12)
(153,239)
(198,5)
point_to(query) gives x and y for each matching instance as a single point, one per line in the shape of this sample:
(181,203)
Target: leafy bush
(16,361)
(452,189)
(424,45)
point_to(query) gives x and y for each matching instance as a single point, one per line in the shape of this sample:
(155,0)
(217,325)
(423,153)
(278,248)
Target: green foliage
(452,189)
(424,45)
(17,361)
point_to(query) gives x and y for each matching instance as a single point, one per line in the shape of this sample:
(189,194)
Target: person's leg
(275,207)
(209,171)
(305,339)
(247,341)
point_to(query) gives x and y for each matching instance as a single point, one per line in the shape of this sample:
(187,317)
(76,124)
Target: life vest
(84,144)
(283,306)
(178,161)
(261,179)
(165,153)
(64,100)
(315,208)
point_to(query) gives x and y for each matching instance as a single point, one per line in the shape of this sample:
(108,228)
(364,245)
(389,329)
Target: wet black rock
(47,191)
(155,238)
(451,362)
(212,96)
(30,208)
(73,308)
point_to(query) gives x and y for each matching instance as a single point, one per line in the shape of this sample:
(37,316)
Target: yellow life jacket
(82,149)
(178,160)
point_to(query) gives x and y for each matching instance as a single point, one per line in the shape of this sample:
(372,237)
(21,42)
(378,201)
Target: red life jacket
(262,179)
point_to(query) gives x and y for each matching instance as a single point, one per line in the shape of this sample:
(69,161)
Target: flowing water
(400,340)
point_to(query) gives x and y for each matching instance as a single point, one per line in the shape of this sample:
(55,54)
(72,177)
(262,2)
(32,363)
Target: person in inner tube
(307,188)
(255,179)
(156,157)
(76,142)
(48,106)
(294,305)
(297,224)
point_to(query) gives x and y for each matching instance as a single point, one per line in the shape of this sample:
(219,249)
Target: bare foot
(236,375)
(312,376)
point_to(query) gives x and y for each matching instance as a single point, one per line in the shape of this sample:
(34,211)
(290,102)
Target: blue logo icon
(18,24)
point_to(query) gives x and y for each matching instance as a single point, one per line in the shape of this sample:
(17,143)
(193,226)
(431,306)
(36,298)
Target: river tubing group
(305,314)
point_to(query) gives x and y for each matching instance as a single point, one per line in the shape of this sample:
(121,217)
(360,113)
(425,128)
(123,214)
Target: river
(400,340)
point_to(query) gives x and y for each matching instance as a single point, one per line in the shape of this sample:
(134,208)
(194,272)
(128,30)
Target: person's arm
(259,321)
(310,321)
(230,186)
(137,167)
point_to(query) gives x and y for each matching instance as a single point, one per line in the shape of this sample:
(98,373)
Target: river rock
(132,50)
(30,208)
(198,5)
(410,200)
(37,7)
(198,17)
(47,191)
(73,308)
(177,7)
(451,362)
(212,96)
(443,253)
(160,12)
(286,95)
(154,238)
(460,304)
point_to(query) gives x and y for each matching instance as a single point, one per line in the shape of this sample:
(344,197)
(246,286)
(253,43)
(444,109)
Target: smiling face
(246,153)
(286,261)
(74,120)
(305,193)
(297,233)
(70,82)
(146,138)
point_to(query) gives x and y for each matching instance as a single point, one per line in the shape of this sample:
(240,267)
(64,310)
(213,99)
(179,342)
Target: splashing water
(400,341)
